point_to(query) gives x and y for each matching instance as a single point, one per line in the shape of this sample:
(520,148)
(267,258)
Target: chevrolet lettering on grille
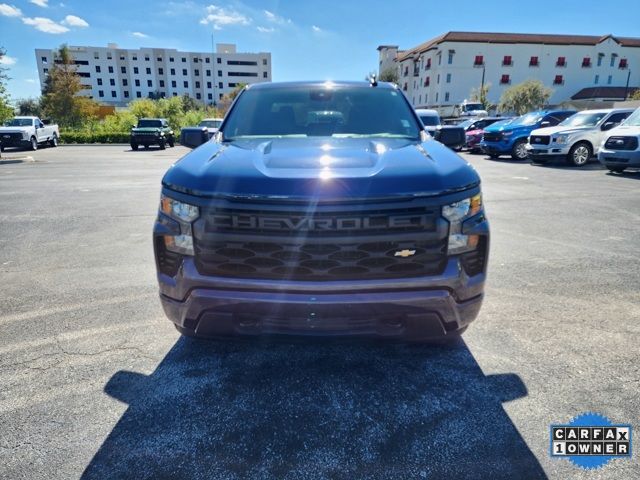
(319,223)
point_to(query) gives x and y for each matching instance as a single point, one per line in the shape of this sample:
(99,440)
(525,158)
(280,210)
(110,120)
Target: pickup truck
(577,138)
(211,124)
(512,138)
(621,147)
(462,110)
(321,209)
(28,133)
(152,131)
(449,135)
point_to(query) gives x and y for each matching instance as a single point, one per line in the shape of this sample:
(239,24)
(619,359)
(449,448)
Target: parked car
(291,221)
(474,128)
(511,139)
(577,138)
(621,148)
(28,133)
(450,135)
(211,124)
(152,131)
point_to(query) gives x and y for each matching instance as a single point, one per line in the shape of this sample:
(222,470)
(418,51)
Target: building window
(600,55)
(438,79)
(586,62)
(174,84)
(97,68)
(148,71)
(439,58)
(198,96)
(264,74)
(437,95)
(533,62)
(450,58)
(208,84)
(596,80)
(623,63)
(219,60)
(161,71)
(558,80)
(406,71)
(113,93)
(112,82)
(121,57)
(109,57)
(448,78)
(159,59)
(101,93)
(123,69)
(171,59)
(125,82)
(264,61)
(404,87)
(208,72)
(561,62)
(184,60)
(161,83)
(110,69)
(172,71)
(135,70)
(219,73)
(149,83)
(96,55)
(506,61)
(504,79)
(186,84)
(139,94)
(184,72)
(195,60)
(428,66)
(209,96)
(134,58)
(126,94)
(446,96)
(426,81)
(146,58)
(609,80)
(207,60)
(99,81)
(196,72)
(220,85)
(197,84)
(137,82)
(45,70)
(478,62)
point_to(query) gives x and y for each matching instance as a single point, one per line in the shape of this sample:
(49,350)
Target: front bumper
(495,148)
(14,141)
(547,152)
(410,309)
(619,158)
(147,139)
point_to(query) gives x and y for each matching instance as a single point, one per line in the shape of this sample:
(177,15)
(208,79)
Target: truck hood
(13,129)
(558,129)
(321,167)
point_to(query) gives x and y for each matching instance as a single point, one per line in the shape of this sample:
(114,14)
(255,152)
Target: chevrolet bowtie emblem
(404,253)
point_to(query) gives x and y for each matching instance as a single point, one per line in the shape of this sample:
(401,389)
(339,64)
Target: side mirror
(193,137)
(546,123)
(608,126)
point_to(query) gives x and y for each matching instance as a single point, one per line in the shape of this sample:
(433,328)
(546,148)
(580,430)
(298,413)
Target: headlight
(561,139)
(184,214)
(456,213)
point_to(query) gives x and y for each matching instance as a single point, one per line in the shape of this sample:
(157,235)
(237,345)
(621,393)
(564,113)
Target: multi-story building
(444,70)
(115,76)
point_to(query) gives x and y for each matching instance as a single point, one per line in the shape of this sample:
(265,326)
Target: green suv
(152,131)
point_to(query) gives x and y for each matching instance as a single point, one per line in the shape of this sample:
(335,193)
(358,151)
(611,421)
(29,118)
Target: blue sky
(309,39)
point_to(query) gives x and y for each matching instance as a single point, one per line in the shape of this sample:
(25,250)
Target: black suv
(152,131)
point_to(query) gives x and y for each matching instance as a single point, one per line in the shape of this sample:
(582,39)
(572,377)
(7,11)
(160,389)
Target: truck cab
(512,138)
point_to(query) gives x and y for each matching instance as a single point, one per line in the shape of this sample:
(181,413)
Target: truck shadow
(308,410)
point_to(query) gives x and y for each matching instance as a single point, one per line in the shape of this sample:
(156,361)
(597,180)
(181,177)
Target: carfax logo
(590,440)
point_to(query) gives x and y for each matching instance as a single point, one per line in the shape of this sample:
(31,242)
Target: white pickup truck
(465,109)
(28,132)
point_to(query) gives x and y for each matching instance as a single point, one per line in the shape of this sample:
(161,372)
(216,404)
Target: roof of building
(604,92)
(534,38)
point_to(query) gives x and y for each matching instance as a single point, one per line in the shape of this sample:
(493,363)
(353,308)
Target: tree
(524,97)
(5,108)
(635,95)
(29,107)
(481,94)
(61,100)
(225,102)
(389,75)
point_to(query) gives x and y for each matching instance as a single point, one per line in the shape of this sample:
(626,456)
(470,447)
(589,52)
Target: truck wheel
(539,161)
(146,147)
(579,154)
(54,141)
(33,144)
(162,145)
(519,150)
(494,156)
(134,146)
(172,142)
(616,169)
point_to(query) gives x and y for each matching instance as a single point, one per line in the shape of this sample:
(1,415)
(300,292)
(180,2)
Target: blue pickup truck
(511,138)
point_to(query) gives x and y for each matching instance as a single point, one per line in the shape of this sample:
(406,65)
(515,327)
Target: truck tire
(519,152)
(616,169)
(494,156)
(172,142)
(54,141)
(579,154)
(134,146)
(33,146)
(146,147)
(162,145)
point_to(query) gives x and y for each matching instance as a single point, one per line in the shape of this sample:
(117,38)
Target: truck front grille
(321,243)
(11,137)
(621,143)
(492,136)
(539,139)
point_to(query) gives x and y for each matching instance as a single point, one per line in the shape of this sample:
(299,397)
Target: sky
(308,39)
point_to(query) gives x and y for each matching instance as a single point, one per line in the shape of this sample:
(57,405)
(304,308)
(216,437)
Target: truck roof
(320,84)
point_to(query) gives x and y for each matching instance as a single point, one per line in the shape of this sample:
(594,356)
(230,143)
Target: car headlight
(456,213)
(184,214)
(561,139)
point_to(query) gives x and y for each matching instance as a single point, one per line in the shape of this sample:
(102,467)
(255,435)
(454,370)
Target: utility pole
(626,88)
(482,95)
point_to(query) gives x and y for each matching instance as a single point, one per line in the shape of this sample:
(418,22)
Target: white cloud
(10,10)
(40,3)
(266,29)
(7,60)
(272,17)
(140,35)
(45,25)
(220,17)
(30,80)
(316,29)
(74,21)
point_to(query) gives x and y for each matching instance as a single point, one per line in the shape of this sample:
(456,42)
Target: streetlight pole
(482,95)
(626,88)
(214,71)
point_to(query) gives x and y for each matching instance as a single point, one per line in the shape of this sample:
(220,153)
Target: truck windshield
(527,120)
(19,122)
(321,110)
(583,120)
(633,119)
(470,107)
(430,120)
(149,124)
(210,123)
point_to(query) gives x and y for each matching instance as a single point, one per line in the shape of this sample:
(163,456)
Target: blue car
(511,138)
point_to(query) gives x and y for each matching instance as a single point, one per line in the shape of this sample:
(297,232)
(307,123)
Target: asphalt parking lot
(96,383)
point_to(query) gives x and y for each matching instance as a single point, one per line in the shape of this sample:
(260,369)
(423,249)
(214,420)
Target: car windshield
(210,123)
(633,119)
(583,120)
(470,107)
(527,119)
(149,124)
(466,124)
(19,122)
(430,120)
(321,110)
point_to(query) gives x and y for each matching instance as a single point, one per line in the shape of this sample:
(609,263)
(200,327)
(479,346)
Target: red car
(474,129)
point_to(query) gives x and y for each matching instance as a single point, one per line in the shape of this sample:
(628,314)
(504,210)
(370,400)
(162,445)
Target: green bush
(88,137)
